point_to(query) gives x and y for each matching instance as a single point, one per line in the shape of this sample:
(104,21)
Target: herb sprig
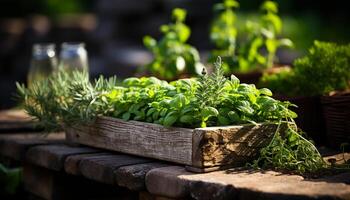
(290,150)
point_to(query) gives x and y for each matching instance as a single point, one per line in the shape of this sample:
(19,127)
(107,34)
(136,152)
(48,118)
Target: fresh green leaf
(170,118)
(209,112)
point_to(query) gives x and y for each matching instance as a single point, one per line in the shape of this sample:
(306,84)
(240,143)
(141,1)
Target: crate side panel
(137,138)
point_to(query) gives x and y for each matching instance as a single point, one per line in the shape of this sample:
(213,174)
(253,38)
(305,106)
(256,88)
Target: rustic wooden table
(54,169)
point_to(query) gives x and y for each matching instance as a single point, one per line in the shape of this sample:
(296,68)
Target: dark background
(113,30)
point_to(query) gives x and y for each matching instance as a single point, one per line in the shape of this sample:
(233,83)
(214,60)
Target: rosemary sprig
(210,86)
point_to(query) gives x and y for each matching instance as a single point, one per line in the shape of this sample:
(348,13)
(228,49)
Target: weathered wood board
(53,156)
(200,149)
(15,145)
(14,120)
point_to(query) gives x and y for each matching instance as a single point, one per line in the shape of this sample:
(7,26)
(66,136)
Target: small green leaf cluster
(223,32)
(259,35)
(172,56)
(324,69)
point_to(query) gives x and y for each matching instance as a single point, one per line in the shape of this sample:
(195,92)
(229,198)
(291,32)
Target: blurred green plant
(260,36)
(10,180)
(172,56)
(324,69)
(271,27)
(223,33)
(57,7)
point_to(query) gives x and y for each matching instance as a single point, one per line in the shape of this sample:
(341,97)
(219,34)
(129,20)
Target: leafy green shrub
(259,36)
(326,68)
(172,56)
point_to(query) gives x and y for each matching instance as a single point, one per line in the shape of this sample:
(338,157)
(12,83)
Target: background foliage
(326,68)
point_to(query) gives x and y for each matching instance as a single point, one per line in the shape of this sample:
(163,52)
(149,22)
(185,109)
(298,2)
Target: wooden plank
(133,176)
(15,146)
(229,145)
(14,115)
(71,164)
(137,138)
(38,181)
(16,127)
(101,168)
(33,135)
(16,120)
(53,156)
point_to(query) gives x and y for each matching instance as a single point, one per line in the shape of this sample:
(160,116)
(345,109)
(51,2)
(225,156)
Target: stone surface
(175,182)
(338,178)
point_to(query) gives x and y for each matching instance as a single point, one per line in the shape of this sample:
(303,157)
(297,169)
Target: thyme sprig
(290,150)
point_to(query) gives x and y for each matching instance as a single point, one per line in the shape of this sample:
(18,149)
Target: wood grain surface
(199,148)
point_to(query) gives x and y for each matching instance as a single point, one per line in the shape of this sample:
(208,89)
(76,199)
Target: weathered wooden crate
(200,149)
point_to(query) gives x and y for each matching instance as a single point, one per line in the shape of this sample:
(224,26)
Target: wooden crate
(200,149)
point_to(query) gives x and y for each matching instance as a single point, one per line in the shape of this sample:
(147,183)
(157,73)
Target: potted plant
(318,84)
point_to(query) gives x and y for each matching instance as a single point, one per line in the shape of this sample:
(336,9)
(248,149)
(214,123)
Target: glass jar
(43,62)
(73,56)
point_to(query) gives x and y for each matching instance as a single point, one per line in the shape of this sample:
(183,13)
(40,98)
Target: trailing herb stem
(289,150)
